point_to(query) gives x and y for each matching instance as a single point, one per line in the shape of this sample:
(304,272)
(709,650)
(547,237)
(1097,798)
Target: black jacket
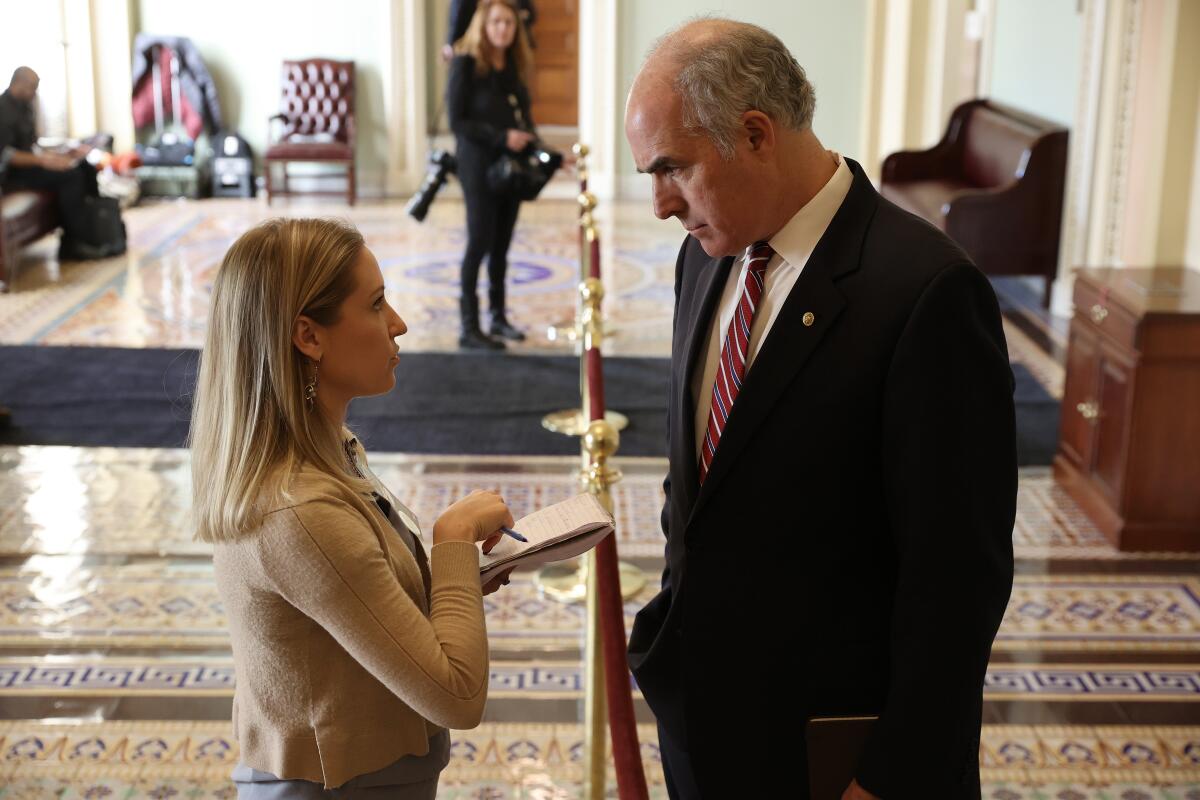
(481,113)
(851,549)
(17,129)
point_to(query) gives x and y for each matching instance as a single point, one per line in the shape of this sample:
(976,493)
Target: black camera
(524,174)
(441,165)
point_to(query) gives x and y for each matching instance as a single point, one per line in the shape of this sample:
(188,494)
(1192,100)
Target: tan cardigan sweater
(341,666)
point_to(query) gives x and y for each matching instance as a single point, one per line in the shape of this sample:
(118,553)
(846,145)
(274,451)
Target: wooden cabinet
(1129,441)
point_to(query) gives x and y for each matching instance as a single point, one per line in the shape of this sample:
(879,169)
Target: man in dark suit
(842,483)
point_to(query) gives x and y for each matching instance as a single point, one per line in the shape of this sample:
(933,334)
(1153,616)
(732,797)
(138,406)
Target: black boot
(470,337)
(500,326)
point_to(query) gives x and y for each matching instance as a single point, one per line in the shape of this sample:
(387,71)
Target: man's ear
(759,131)
(307,336)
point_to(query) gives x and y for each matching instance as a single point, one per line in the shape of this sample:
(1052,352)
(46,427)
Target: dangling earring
(310,389)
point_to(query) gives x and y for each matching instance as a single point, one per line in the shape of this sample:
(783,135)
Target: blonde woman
(487,100)
(354,649)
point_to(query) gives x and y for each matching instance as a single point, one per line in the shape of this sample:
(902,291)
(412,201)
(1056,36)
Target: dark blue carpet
(443,402)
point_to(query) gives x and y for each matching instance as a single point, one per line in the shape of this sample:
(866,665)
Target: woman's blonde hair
(475,42)
(251,426)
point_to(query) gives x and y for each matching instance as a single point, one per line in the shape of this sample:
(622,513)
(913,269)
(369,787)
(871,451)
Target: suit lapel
(709,285)
(791,342)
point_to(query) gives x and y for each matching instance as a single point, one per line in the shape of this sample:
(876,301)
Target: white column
(404,97)
(81,94)
(599,106)
(112,58)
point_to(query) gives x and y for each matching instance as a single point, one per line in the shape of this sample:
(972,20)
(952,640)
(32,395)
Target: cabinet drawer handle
(1099,312)
(1089,411)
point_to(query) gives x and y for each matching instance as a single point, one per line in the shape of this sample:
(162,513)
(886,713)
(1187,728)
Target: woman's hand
(518,140)
(495,583)
(477,517)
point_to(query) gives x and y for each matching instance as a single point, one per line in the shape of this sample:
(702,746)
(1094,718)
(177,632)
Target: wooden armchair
(994,184)
(317,111)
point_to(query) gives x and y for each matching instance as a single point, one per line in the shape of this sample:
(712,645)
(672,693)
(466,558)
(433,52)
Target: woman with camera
(355,649)
(488,104)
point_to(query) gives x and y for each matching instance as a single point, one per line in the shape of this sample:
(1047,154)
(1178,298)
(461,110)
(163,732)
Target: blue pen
(514,534)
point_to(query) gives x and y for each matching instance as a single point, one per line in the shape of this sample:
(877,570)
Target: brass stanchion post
(599,443)
(595,716)
(568,582)
(573,422)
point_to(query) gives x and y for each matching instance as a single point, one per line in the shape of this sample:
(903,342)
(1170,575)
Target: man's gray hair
(741,68)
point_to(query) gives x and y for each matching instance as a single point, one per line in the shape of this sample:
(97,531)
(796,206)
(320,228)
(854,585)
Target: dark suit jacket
(851,550)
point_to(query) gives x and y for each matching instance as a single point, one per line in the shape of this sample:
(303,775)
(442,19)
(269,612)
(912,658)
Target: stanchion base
(571,332)
(570,422)
(633,580)
(567,582)
(563,332)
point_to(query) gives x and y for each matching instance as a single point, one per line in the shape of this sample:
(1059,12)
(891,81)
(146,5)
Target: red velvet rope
(631,779)
(594,267)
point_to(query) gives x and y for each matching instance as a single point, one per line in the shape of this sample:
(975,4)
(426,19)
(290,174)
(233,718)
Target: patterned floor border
(516,758)
(79,676)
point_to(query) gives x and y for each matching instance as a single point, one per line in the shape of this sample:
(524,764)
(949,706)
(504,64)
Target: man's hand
(56,162)
(856,792)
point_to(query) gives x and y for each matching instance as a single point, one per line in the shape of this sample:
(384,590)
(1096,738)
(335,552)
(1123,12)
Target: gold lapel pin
(808,319)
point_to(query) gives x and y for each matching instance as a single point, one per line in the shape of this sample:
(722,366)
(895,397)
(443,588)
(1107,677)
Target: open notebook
(555,533)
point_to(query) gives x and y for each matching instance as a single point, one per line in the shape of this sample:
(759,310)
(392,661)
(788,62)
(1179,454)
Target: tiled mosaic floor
(133,501)
(157,294)
(111,630)
(54,599)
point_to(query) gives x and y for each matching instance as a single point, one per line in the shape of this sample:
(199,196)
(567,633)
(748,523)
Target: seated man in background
(68,175)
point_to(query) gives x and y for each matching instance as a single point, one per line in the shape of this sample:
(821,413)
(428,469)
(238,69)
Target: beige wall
(826,38)
(1035,56)
(31,36)
(243,44)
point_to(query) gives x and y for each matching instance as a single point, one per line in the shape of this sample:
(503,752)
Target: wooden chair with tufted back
(317,111)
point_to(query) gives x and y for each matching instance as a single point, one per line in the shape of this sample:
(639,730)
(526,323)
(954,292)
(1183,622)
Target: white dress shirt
(793,245)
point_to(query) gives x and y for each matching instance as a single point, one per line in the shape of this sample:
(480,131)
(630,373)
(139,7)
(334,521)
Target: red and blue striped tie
(734,353)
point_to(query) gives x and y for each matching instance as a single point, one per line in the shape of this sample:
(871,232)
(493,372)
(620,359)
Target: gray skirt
(410,778)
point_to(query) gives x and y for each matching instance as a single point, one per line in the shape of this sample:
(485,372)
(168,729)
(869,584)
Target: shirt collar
(796,240)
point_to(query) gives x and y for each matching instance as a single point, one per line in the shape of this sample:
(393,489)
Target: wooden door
(1113,392)
(555,82)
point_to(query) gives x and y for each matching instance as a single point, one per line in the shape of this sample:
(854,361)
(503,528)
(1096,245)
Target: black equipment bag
(102,226)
